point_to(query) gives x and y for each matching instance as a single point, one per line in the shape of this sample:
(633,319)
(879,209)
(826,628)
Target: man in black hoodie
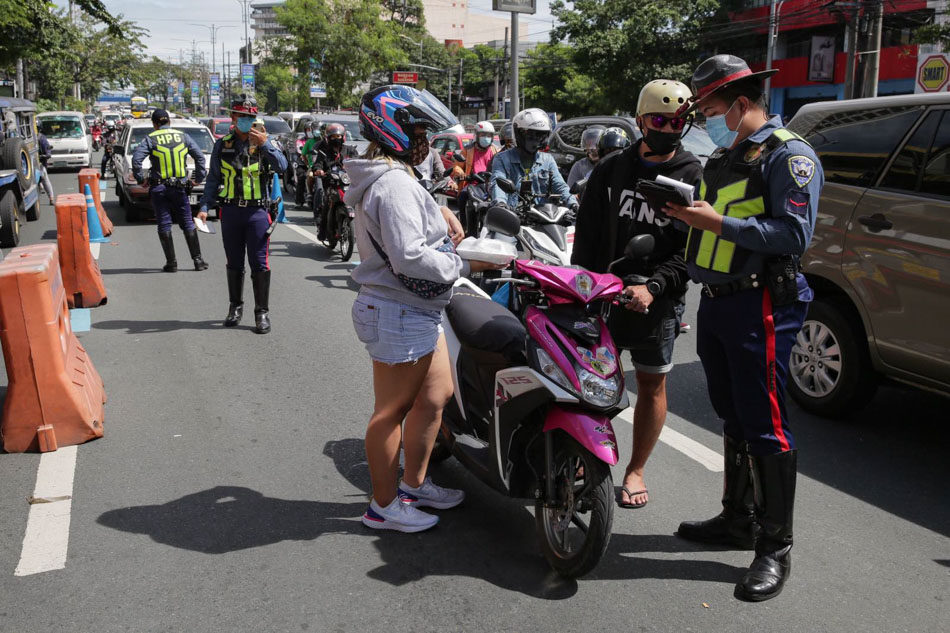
(331,151)
(611,213)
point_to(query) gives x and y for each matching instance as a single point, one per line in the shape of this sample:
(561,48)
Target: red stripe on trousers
(768,320)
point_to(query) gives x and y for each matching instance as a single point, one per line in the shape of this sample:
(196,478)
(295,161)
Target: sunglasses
(659,121)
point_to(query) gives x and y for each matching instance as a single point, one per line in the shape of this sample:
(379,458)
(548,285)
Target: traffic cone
(92,219)
(276,195)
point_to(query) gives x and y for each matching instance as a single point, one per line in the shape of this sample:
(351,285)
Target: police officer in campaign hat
(243,163)
(169,185)
(759,198)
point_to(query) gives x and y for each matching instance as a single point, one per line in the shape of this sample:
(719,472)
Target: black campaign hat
(716,73)
(159,115)
(244,104)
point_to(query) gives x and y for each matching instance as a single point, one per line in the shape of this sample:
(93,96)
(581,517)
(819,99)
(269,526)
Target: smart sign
(934,73)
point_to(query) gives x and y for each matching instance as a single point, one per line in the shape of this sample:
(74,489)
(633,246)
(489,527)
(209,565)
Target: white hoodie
(407,223)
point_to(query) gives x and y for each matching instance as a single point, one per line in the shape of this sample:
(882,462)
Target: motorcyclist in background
(506,137)
(531,130)
(108,140)
(478,159)
(613,140)
(308,151)
(331,151)
(582,168)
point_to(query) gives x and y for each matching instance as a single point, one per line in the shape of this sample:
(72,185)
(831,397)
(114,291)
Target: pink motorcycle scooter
(535,390)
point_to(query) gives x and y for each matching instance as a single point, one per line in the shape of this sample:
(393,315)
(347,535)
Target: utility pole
(247,40)
(849,70)
(496,85)
(874,52)
(504,78)
(775,10)
(460,85)
(514,64)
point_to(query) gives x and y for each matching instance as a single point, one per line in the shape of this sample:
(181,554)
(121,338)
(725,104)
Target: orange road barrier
(89,176)
(55,396)
(81,276)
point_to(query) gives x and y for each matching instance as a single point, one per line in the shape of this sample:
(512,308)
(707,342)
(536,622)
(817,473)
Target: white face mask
(484,142)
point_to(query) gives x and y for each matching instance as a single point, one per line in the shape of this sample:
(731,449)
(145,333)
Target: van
(879,261)
(70,137)
(19,168)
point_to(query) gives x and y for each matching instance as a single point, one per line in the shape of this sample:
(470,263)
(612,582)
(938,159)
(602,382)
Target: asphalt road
(227,491)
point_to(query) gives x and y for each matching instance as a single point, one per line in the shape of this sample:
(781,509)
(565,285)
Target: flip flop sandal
(631,506)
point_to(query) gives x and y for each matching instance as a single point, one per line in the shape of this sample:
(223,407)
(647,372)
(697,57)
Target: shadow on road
(305,250)
(232,518)
(890,454)
(152,327)
(624,560)
(131,271)
(335,281)
(489,537)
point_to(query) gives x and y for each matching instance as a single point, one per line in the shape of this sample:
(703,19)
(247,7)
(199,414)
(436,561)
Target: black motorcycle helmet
(613,140)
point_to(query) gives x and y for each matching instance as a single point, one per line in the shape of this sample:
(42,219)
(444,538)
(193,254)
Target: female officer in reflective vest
(759,198)
(166,149)
(239,178)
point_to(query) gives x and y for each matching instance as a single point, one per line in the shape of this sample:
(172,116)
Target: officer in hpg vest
(169,185)
(759,198)
(239,180)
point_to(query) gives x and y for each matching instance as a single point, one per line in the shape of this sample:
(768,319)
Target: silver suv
(880,258)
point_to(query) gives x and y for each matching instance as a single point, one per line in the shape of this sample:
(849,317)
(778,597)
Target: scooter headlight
(601,392)
(539,251)
(550,369)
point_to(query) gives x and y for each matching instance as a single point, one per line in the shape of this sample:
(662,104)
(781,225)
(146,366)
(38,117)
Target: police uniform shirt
(269,152)
(148,145)
(793,179)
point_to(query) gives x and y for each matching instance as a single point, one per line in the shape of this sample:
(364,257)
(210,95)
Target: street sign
(933,73)
(318,91)
(515,6)
(405,77)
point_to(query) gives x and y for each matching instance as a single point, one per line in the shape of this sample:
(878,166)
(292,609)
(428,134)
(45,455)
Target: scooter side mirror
(458,158)
(506,185)
(639,246)
(578,186)
(118,149)
(501,219)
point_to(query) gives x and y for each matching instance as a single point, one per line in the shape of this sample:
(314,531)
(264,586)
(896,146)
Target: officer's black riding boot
(773,477)
(735,525)
(260,281)
(171,264)
(236,297)
(191,237)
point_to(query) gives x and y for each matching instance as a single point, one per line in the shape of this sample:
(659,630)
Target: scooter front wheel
(574,528)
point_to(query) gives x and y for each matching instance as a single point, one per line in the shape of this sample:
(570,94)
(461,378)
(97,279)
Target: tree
(623,44)
(553,82)
(345,41)
(938,34)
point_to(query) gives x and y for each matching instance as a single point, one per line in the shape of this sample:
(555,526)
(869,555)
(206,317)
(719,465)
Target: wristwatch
(653,287)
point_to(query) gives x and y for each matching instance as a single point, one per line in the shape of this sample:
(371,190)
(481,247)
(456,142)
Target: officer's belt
(240,202)
(754,280)
(181,183)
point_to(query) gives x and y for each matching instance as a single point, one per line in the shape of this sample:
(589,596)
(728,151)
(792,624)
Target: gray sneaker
(429,495)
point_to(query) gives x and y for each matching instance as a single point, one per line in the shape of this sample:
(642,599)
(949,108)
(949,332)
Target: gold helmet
(662,96)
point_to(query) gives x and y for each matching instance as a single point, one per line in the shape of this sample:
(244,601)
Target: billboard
(318,91)
(515,6)
(214,94)
(194,91)
(247,78)
(821,61)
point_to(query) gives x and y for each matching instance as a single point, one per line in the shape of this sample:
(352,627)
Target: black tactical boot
(191,237)
(260,281)
(773,477)
(735,525)
(171,264)
(236,297)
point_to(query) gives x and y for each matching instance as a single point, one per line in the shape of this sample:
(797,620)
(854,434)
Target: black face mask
(661,143)
(336,143)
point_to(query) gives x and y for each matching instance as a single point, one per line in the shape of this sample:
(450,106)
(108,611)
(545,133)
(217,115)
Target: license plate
(193,199)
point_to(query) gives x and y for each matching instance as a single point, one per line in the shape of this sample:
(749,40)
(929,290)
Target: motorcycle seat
(483,324)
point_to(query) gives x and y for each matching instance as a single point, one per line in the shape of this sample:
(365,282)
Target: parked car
(132,196)
(564,142)
(219,126)
(879,261)
(70,138)
(19,168)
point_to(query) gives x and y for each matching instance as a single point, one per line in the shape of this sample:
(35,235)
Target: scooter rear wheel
(575,529)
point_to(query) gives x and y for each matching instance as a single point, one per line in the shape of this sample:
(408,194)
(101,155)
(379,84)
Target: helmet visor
(426,110)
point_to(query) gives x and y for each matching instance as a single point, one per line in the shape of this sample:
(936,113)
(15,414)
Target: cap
(244,104)
(716,73)
(160,115)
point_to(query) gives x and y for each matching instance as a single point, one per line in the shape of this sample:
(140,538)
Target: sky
(171,24)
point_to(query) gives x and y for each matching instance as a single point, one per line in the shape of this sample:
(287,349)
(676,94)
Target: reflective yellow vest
(240,181)
(168,155)
(735,189)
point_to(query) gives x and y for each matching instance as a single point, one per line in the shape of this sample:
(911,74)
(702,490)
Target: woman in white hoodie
(406,275)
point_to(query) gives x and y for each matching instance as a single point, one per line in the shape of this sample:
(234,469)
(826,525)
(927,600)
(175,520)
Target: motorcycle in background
(340,216)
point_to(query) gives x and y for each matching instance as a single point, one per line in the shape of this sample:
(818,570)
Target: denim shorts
(394,332)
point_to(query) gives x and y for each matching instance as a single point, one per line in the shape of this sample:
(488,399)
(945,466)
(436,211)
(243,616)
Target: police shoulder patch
(802,169)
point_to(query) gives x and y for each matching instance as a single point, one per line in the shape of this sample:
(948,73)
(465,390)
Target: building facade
(264,19)
(812,49)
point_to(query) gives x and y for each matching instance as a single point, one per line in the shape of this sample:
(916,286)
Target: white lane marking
(94,249)
(708,458)
(304,232)
(47,527)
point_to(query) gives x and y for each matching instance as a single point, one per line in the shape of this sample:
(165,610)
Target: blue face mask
(719,132)
(244,123)
(484,142)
